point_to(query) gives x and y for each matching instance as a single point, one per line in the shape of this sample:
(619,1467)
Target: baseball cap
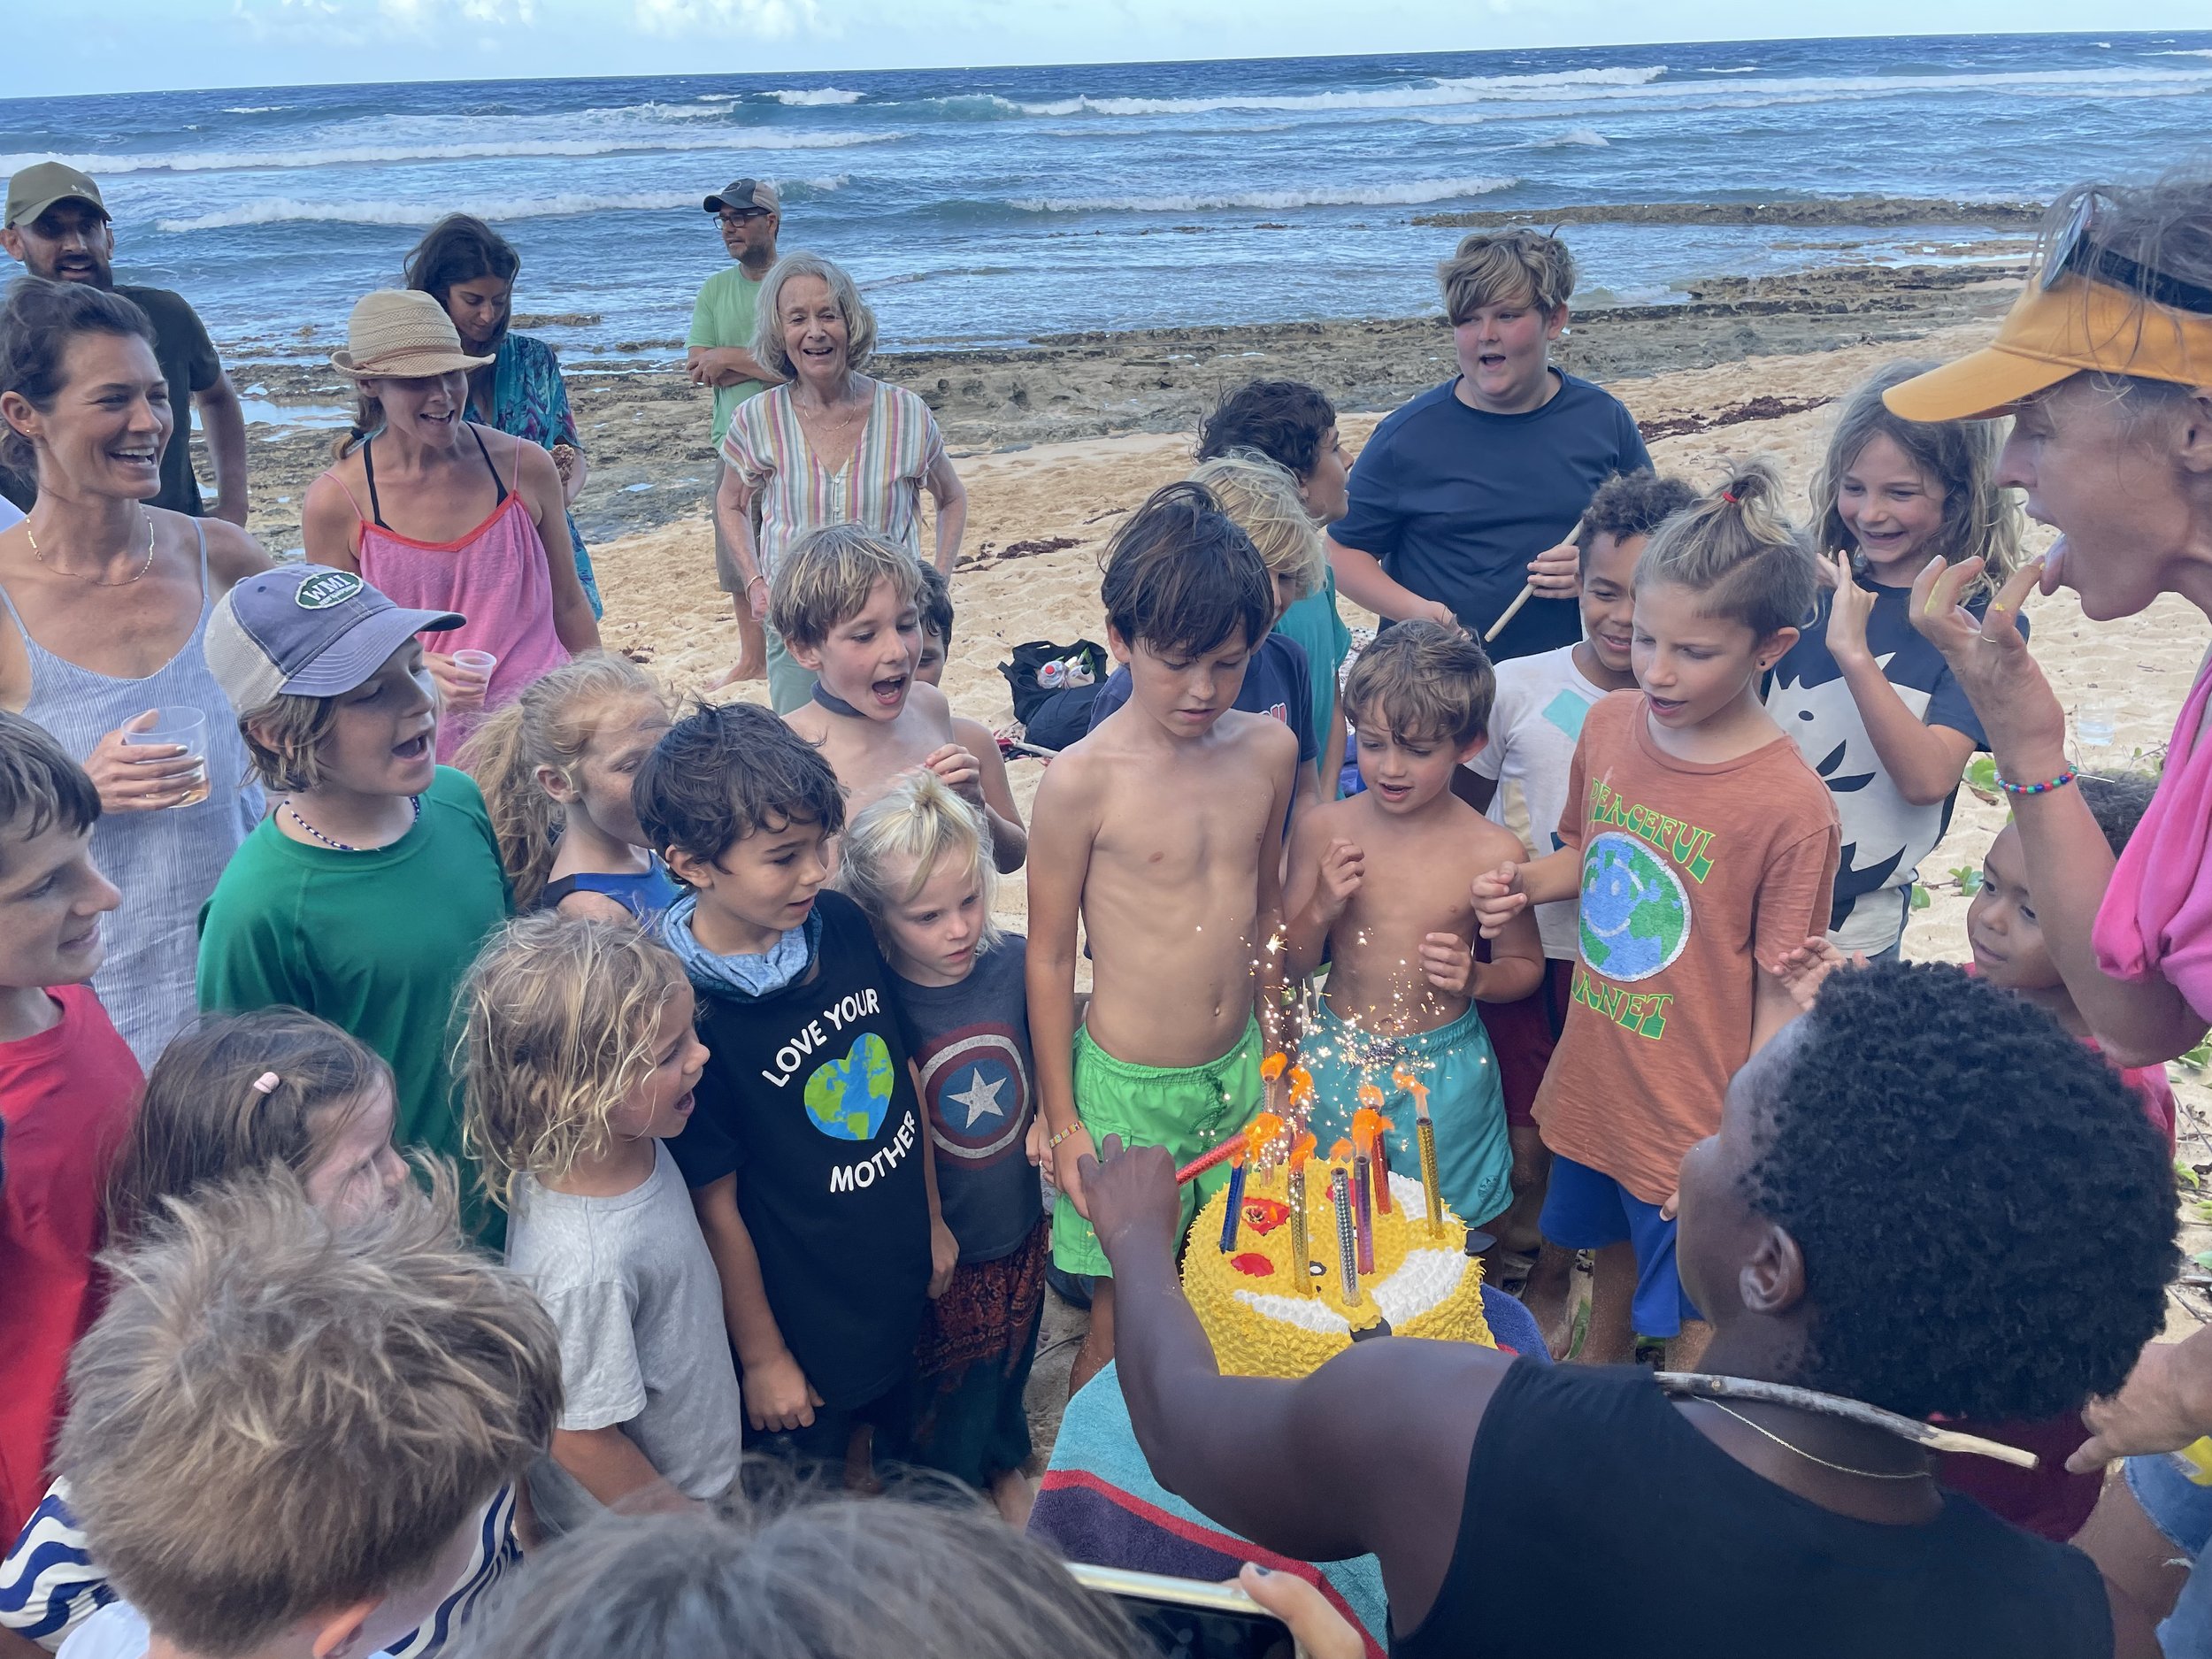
(2054,332)
(307,631)
(740,194)
(38,186)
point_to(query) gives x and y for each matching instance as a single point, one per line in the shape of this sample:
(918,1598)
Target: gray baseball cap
(746,195)
(307,631)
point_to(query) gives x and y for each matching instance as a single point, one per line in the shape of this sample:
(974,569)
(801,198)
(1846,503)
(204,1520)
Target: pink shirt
(496,576)
(2156,917)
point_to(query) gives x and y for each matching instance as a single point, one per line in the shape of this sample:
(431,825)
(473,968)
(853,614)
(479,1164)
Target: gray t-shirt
(638,1305)
(971,1048)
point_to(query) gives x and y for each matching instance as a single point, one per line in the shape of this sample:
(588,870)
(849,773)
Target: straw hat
(401,334)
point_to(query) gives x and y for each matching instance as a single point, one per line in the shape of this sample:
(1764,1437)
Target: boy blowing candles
(1162,831)
(1384,881)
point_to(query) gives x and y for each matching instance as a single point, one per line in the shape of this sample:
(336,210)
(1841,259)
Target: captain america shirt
(971,1048)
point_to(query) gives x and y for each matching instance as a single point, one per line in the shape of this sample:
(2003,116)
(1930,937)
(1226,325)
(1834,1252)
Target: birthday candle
(1300,1093)
(1424,1132)
(1235,1212)
(1300,1245)
(1363,1208)
(1347,1251)
(1367,1127)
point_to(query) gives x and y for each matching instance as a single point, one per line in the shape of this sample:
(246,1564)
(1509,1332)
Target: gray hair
(2165,226)
(834,1578)
(860,320)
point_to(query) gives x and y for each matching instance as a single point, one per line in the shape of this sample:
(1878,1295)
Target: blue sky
(130,45)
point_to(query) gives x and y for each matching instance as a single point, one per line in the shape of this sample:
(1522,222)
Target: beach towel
(2156,917)
(1099,1503)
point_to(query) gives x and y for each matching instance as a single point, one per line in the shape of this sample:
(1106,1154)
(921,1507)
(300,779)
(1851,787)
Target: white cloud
(762,19)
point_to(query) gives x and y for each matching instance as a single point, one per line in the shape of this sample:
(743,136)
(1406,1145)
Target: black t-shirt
(970,1045)
(189,364)
(806,1100)
(1455,502)
(1656,1543)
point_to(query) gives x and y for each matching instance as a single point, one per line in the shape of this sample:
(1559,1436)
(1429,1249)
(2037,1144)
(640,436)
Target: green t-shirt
(375,942)
(723,315)
(1315,624)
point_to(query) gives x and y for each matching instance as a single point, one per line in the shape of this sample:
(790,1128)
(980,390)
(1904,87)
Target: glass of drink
(2095,724)
(178,728)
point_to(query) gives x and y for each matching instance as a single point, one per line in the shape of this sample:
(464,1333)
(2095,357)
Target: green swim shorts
(1185,1109)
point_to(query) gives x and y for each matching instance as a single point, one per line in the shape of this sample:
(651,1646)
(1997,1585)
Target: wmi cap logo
(331,588)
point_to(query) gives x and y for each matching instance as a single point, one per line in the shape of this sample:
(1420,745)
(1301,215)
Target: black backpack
(1054,716)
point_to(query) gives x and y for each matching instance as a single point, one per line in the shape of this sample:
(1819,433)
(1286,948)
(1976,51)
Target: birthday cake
(1269,1314)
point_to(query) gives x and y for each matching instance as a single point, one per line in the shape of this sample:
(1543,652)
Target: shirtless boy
(1161,830)
(1385,880)
(847,603)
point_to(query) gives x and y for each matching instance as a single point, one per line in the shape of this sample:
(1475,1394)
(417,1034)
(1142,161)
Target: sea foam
(1412,192)
(287,210)
(356,155)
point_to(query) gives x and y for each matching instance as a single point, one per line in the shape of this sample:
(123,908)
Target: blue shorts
(1587,1211)
(2181,1511)
(1474,1156)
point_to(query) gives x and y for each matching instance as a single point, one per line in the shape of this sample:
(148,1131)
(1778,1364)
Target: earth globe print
(1635,914)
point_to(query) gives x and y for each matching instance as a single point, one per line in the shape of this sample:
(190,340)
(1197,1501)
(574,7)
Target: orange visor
(2051,335)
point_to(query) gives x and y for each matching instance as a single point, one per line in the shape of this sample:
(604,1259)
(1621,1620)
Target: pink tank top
(497,576)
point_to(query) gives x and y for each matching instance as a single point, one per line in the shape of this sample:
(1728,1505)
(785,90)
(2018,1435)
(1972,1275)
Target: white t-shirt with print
(1534,725)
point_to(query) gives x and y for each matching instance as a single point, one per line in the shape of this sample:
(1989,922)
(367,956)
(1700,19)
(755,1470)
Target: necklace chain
(1810,1457)
(95,581)
(414,800)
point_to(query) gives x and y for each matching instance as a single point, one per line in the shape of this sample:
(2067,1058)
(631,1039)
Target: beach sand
(1058,440)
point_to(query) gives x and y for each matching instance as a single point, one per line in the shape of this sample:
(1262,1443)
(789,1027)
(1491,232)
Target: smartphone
(1192,1618)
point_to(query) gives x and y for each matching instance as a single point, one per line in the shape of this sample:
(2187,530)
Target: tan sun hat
(2053,333)
(401,334)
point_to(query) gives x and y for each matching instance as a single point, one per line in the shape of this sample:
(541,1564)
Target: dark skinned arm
(1367,1454)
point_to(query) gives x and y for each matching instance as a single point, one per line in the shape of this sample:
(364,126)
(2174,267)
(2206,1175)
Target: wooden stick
(1511,611)
(1699,1384)
(1527,593)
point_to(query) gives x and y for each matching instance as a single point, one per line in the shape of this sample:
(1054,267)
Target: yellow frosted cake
(1269,1315)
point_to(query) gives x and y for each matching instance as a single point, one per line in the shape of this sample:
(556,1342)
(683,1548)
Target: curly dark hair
(1629,504)
(1181,576)
(2118,801)
(38,320)
(1283,420)
(726,771)
(1987,1217)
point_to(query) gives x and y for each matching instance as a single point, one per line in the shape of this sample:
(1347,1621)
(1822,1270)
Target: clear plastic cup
(178,728)
(2096,723)
(476,662)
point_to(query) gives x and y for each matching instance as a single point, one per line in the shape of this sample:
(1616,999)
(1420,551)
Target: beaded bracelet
(2059,782)
(1053,1145)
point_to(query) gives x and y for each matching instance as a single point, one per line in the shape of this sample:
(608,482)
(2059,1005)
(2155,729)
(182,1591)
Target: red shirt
(67,1096)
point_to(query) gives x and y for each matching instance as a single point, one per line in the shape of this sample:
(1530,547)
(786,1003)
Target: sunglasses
(2074,252)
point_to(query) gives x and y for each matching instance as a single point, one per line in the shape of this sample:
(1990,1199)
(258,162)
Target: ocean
(989,206)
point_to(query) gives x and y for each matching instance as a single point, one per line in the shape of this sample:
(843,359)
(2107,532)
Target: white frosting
(1406,1194)
(1309,1313)
(1422,1280)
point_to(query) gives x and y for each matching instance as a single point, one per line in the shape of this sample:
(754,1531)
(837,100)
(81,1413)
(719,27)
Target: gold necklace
(95,581)
(1841,1469)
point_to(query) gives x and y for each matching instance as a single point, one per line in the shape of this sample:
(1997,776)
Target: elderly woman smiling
(830,446)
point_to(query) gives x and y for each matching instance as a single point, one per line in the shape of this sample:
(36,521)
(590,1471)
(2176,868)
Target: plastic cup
(182,728)
(476,661)
(2095,724)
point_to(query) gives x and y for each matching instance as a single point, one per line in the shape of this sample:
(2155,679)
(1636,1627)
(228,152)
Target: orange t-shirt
(1687,868)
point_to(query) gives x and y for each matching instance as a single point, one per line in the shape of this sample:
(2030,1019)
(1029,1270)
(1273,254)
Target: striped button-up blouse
(880,486)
